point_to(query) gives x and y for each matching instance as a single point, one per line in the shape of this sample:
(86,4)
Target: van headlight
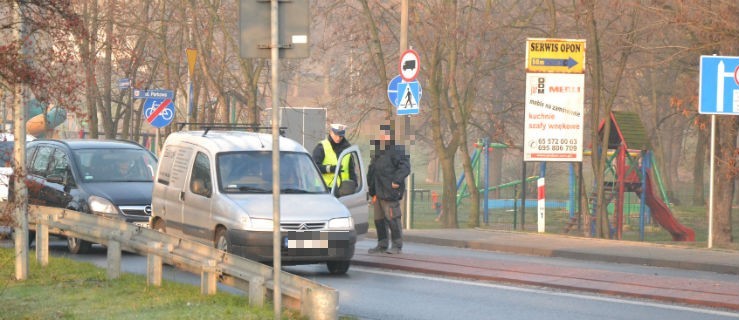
(341,223)
(102,206)
(257,224)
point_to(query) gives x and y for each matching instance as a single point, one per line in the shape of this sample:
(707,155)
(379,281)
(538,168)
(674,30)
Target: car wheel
(31,237)
(338,267)
(159,226)
(78,246)
(221,240)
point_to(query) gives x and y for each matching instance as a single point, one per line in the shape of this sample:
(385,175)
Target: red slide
(663,215)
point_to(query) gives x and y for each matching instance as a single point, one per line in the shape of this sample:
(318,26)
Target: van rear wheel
(338,267)
(221,240)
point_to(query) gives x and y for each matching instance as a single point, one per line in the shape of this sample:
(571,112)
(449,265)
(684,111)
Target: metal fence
(313,300)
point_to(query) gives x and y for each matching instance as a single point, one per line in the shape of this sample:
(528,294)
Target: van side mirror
(347,187)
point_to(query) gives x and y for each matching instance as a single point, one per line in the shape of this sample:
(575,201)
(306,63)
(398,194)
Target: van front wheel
(222,240)
(78,246)
(338,267)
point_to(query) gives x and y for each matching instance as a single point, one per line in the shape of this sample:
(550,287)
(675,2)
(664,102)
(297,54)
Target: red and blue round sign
(159,112)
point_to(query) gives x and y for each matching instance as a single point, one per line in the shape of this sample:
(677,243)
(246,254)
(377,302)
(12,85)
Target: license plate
(307,240)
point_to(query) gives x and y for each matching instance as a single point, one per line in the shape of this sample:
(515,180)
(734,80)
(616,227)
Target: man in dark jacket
(388,168)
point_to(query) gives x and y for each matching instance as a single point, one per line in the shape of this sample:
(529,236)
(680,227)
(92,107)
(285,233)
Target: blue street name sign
(719,85)
(159,94)
(124,83)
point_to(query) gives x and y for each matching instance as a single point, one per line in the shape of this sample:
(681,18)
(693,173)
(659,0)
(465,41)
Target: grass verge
(67,289)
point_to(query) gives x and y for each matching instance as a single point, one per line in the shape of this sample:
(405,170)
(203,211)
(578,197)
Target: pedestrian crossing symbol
(408,97)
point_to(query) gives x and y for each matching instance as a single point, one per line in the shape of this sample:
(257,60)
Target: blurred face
(122,166)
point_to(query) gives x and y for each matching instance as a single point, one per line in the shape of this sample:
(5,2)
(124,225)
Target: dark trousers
(388,219)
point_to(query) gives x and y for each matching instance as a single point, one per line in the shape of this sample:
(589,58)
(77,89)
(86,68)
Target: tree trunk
(107,108)
(701,149)
(726,169)
(449,194)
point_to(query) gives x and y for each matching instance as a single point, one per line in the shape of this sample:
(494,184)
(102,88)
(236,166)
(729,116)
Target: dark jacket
(388,164)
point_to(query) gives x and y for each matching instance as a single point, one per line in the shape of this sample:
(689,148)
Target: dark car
(104,177)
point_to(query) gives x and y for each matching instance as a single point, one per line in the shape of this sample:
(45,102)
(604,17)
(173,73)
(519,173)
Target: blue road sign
(124,83)
(408,98)
(719,85)
(392,90)
(159,112)
(158,94)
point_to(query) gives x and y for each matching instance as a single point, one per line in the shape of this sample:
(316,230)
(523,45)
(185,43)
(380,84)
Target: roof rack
(228,126)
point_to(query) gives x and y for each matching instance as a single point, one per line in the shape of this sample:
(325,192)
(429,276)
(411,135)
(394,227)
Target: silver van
(215,187)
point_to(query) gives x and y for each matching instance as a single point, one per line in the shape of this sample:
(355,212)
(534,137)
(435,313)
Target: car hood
(293,207)
(122,193)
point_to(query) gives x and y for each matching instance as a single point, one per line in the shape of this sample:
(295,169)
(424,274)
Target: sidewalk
(710,293)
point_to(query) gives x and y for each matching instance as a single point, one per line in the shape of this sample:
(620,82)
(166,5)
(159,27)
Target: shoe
(377,249)
(393,250)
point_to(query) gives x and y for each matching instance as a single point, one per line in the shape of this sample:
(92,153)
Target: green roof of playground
(628,130)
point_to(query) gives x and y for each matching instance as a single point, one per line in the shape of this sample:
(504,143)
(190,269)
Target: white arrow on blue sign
(719,85)
(392,90)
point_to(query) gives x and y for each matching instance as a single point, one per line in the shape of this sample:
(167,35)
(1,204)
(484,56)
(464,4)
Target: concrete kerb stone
(578,248)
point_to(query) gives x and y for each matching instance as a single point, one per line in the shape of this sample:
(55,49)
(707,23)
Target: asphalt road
(376,293)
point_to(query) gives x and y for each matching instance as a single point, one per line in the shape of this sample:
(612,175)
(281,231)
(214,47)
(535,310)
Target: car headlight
(260,224)
(341,223)
(102,206)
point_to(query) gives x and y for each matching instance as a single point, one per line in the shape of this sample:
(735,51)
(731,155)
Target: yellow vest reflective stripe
(330,159)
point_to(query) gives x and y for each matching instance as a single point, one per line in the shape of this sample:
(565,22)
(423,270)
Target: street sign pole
(276,245)
(710,186)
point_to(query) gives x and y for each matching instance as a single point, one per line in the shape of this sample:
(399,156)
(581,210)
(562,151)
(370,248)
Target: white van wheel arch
(159,226)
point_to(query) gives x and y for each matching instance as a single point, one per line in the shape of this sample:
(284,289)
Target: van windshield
(251,172)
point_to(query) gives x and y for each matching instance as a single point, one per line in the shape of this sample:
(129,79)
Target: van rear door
(169,189)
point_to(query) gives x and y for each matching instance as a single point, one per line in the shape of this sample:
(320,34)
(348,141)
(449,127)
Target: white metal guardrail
(310,298)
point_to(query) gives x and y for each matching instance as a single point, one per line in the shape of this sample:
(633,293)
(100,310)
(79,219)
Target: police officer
(326,153)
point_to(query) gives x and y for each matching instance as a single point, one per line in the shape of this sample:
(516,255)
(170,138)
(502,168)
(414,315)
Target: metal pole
(710,185)
(276,247)
(486,193)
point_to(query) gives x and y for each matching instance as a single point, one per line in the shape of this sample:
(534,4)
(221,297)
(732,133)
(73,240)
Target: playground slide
(661,212)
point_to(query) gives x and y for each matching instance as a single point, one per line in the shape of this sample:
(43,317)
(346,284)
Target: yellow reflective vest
(330,158)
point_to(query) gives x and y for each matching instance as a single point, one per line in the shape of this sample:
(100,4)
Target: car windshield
(251,172)
(105,165)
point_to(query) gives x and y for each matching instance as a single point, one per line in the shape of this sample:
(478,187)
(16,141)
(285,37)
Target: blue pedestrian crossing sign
(408,97)
(719,85)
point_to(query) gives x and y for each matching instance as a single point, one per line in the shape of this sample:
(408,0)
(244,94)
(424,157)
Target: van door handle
(182,195)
